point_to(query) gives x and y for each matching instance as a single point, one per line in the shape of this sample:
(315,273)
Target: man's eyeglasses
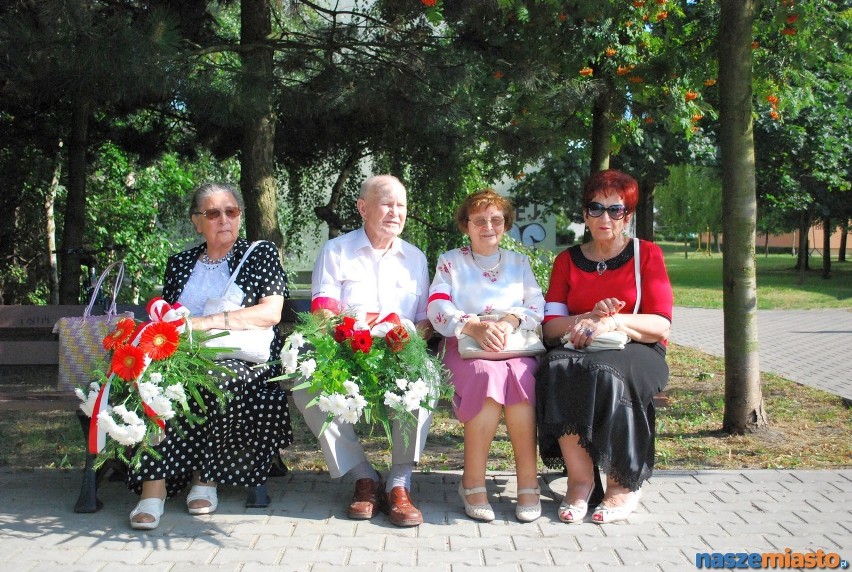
(496,221)
(616,212)
(213,214)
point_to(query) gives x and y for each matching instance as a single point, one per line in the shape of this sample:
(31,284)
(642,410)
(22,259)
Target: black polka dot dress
(238,445)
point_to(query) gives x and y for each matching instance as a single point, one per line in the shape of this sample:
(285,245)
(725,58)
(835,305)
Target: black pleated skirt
(606,398)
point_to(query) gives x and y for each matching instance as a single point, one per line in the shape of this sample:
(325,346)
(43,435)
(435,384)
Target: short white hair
(377,182)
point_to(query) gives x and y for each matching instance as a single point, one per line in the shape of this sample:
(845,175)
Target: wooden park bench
(27,341)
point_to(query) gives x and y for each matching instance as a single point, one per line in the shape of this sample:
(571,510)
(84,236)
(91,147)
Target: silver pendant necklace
(205,259)
(601,267)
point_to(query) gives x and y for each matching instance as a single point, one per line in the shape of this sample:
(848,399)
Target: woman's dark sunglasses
(616,212)
(213,214)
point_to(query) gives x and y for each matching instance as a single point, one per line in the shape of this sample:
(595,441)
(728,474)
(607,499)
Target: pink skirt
(507,382)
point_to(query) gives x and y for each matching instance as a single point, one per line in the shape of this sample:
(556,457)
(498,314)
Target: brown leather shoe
(400,510)
(365,501)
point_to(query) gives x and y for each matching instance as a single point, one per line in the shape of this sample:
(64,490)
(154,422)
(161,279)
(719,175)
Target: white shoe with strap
(482,512)
(151,506)
(530,512)
(202,493)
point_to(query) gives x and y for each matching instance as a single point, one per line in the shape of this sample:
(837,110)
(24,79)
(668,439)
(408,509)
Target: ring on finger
(588,332)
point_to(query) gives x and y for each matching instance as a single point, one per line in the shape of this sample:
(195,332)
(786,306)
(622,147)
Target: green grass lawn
(697,281)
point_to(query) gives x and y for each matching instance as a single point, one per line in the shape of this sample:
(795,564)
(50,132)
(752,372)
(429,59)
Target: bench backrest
(27,338)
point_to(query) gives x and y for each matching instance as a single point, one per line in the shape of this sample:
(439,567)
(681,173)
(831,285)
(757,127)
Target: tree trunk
(50,228)
(329,211)
(826,247)
(802,264)
(645,211)
(257,162)
(601,131)
(844,231)
(744,410)
(75,204)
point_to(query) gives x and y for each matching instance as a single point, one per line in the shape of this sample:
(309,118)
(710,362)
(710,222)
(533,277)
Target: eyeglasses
(616,212)
(496,221)
(213,214)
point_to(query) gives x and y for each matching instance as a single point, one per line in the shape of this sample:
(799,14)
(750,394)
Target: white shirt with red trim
(503,284)
(351,276)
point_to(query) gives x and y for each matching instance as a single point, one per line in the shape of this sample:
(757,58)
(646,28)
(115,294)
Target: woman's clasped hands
(489,334)
(600,320)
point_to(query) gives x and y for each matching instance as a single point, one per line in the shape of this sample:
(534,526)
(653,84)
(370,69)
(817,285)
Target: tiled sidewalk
(682,513)
(811,347)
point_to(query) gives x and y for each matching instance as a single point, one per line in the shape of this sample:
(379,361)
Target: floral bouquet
(152,371)
(381,374)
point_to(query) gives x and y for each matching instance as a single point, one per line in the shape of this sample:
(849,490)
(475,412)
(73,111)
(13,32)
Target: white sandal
(531,512)
(604,514)
(153,506)
(571,513)
(482,512)
(202,492)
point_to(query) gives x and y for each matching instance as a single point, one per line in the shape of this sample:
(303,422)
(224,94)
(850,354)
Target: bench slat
(12,317)
(29,353)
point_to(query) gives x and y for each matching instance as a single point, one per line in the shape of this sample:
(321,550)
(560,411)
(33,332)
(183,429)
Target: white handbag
(247,345)
(614,340)
(520,343)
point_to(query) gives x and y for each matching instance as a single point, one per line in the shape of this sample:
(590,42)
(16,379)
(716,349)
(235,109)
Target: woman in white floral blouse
(484,279)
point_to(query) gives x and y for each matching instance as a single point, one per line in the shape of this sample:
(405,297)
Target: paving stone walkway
(682,513)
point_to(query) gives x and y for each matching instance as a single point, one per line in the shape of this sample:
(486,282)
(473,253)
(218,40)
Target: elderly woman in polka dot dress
(239,445)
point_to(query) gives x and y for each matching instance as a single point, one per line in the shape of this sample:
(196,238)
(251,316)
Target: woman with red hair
(595,406)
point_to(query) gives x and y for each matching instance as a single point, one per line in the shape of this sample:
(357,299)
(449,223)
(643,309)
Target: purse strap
(239,266)
(638,275)
(112,310)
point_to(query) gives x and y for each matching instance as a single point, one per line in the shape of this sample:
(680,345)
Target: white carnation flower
(337,404)
(324,404)
(175,392)
(360,402)
(419,388)
(351,387)
(135,433)
(290,360)
(129,417)
(162,406)
(351,416)
(392,399)
(156,377)
(402,384)
(308,367)
(296,340)
(148,391)
(88,400)
(411,401)
(120,433)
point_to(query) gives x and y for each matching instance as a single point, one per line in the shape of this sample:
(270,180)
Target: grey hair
(377,182)
(208,189)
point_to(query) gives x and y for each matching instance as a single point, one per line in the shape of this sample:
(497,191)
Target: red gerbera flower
(361,341)
(127,362)
(397,338)
(159,340)
(120,335)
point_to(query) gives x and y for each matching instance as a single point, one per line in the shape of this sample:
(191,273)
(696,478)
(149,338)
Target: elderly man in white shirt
(372,273)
